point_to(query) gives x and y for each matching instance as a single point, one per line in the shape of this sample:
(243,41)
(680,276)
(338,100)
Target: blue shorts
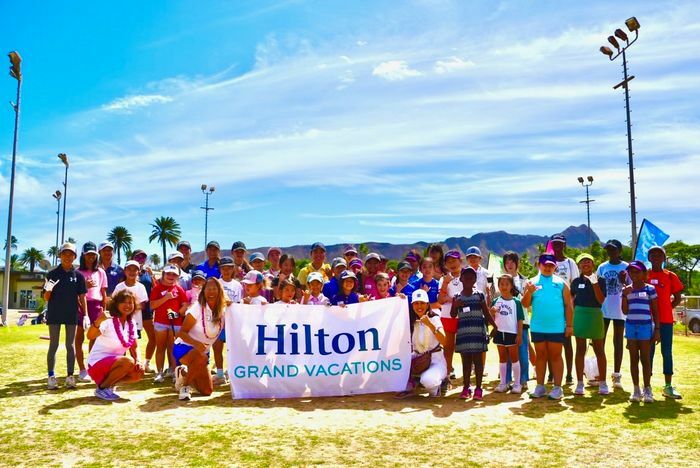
(635,331)
(542,337)
(161,327)
(181,349)
(222,336)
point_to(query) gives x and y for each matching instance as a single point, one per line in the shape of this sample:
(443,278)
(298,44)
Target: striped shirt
(639,305)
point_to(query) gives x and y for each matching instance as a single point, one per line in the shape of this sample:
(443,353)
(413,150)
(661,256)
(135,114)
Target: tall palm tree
(31,256)
(121,238)
(53,252)
(13,243)
(166,230)
(155,260)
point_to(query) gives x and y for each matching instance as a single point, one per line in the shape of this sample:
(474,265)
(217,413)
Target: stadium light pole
(588,202)
(633,26)
(64,160)
(206,209)
(57,196)
(16,73)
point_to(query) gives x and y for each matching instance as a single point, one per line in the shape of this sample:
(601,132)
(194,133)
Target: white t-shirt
(453,289)
(233,289)
(610,274)
(423,338)
(507,316)
(482,280)
(198,332)
(138,290)
(567,270)
(258,300)
(108,343)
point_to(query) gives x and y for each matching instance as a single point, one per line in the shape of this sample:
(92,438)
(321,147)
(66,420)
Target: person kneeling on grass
(113,337)
(427,337)
(203,323)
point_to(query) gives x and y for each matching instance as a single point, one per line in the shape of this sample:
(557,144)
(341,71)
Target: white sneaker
(52,383)
(180,374)
(617,380)
(159,378)
(603,388)
(84,377)
(501,388)
(169,373)
(517,388)
(579,389)
(147,368)
(70,381)
(185,393)
(636,395)
(648,396)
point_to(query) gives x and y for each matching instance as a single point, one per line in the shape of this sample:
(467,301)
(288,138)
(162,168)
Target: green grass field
(151,427)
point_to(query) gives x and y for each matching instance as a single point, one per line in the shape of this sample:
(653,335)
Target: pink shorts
(94,311)
(449,324)
(101,368)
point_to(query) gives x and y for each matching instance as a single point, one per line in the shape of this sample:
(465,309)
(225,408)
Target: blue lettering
(363,341)
(307,339)
(322,342)
(279,339)
(369,366)
(321,371)
(330,369)
(265,372)
(385,366)
(292,370)
(346,369)
(295,339)
(309,370)
(396,364)
(239,372)
(350,344)
(253,371)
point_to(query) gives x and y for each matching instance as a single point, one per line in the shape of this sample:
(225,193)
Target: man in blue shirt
(210,267)
(115,273)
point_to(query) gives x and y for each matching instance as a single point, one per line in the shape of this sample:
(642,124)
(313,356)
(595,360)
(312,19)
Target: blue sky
(349,121)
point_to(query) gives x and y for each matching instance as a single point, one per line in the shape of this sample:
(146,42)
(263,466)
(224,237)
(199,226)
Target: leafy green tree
(363,249)
(155,260)
(13,243)
(166,231)
(31,256)
(121,238)
(53,252)
(71,240)
(683,259)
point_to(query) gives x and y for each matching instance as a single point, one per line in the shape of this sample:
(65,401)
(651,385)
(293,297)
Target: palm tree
(166,230)
(13,243)
(155,260)
(15,263)
(53,252)
(31,256)
(121,238)
(71,240)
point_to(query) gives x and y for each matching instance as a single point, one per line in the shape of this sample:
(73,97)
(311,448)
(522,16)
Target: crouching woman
(427,340)
(114,336)
(203,322)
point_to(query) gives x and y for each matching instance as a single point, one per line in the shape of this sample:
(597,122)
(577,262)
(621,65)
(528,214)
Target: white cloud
(452,64)
(127,104)
(394,70)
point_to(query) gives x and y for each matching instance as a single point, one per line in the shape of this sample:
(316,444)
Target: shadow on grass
(665,409)
(75,402)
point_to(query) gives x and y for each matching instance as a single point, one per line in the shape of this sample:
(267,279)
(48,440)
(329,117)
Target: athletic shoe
(444,386)
(216,380)
(579,389)
(556,394)
(159,378)
(452,376)
(523,387)
(603,388)
(636,395)
(501,388)
(466,393)
(111,391)
(517,388)
(84,377)
(52,383)
(185,393)
(404,394)
(569,380)
(593,383)
(617,380)
(648,396)
(70,381)
(478,394)
(670,392)
(434,392)
(147,368)
(105,394)
(540,391)
(180,374)
(169,373)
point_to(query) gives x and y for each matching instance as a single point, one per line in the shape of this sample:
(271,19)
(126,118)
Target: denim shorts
(161,327)
(542,337)
(642,332)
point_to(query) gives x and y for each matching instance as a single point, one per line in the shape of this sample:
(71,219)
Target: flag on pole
(649,236)
(495,266)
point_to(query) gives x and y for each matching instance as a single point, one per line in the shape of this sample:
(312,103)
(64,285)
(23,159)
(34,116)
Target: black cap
(213,244)
(199,274)
(226,261)
(238,245)
(404,265)
(317,245)
(558,238)
(183,243)
(614,243)
(89,247)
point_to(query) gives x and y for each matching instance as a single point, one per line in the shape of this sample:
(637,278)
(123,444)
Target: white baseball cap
(314,276)
(171,269)
(132,263)
(419,295)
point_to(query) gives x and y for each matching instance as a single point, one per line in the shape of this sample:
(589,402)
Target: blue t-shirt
(351,298)
(115,275)
(210,270)
(548,305)
(330,287)
(433,285)
(639,305)
(609,279)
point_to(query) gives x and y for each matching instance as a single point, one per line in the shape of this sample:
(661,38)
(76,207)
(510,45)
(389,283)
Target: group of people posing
(455,305)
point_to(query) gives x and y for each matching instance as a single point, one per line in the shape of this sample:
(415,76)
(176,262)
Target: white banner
(288,350)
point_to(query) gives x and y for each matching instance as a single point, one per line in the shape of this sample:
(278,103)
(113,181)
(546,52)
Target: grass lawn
(151,426)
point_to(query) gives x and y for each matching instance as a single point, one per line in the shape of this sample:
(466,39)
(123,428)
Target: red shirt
(667,284)
(161,313)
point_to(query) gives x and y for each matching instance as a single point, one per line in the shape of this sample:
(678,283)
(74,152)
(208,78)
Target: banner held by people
(289,350)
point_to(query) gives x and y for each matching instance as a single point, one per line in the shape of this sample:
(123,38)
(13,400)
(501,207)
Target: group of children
(452,305)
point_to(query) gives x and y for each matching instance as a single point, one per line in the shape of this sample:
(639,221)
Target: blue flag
(649,236)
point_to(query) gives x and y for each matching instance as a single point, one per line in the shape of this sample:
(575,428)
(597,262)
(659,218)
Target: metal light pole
(57,196)
(16,73)
(588,202)
(64,160)
(206,209)
(633,26)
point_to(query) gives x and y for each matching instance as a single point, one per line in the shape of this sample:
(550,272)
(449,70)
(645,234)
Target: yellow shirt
(304,272)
